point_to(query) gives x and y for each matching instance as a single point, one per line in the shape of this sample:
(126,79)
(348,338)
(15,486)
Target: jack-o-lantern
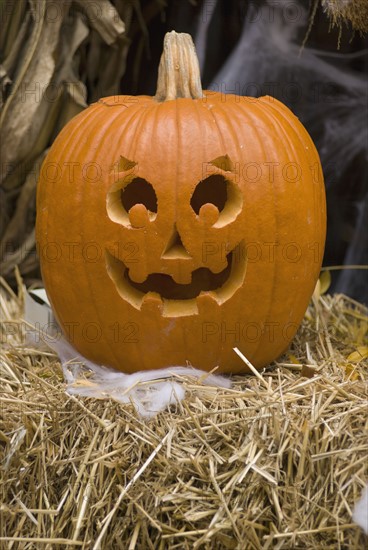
(173,228)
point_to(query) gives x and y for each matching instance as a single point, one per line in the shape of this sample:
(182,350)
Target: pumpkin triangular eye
(224,163)
(124,164)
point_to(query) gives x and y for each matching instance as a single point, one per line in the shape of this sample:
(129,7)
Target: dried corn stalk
(55,57)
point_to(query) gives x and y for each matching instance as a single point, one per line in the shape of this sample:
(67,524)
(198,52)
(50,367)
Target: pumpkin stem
(178,73)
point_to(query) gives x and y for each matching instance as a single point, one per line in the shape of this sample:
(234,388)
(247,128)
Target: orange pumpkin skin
(95,255)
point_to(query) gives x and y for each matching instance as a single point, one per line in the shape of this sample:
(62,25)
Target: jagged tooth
(184,278)
(206,301)
(216,264)
(219,266)
(152,301)
(137,276)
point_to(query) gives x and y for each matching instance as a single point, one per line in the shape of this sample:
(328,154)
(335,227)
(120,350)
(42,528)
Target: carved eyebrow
(124,164)
(223,162)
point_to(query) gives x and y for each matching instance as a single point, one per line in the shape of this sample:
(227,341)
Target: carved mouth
(176,299)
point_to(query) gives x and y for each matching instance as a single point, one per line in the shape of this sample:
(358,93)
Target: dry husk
(56,56)
(278,461)
(348,12)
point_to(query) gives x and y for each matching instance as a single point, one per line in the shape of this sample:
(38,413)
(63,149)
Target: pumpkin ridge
(127,102)
(178,155)
(279,112)
(299,130)
(211,111)
(64,145)
(260,113)
(184,339)
(142,123)
(77,122)
(224,115)
(206,155)
(140,116)
(96,122)
(120,126)
(311,154)
(256,114)
(216,111)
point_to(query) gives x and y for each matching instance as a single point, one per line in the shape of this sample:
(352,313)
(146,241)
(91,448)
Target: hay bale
(278,461)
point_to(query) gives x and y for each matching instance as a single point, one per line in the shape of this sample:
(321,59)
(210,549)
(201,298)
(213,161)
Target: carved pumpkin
(172,228)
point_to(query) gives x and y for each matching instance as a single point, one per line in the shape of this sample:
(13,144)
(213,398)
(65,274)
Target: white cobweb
(149,391)
(360,513)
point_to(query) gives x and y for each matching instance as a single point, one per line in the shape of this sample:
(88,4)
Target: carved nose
(175,248)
